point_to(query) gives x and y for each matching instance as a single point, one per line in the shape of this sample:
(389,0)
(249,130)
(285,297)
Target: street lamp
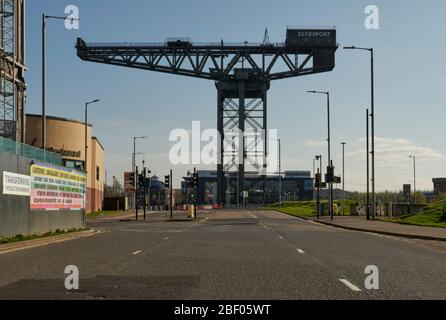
(318,194)
(372,116)
(343,175)
(330,196)
(134,170)
(367,117)
(44,18)
(134,151)
(414,175)
(86,150)
(280,175)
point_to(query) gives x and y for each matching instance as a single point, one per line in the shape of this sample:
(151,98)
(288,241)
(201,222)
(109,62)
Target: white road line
(300,251)
(280,237)
(166,238)
(253,215)
(136,252)
(350,285)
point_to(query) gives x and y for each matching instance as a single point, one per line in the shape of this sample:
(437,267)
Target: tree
(115,190)
(419,198)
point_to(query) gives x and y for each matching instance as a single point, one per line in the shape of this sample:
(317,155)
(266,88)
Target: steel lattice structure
(7,97)
(12,83)
(242,73)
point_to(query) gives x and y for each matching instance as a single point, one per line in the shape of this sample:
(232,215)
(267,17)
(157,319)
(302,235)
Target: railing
(21,149)
(195,44)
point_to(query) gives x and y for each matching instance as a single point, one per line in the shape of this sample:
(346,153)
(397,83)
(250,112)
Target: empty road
(226,255)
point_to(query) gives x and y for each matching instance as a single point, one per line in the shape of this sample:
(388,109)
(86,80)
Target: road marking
(136,252)
(166,238)
(300,251)
(280,237)
(31,244)
(350,285)
(253,215)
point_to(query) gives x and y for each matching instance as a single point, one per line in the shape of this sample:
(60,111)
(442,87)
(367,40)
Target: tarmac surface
(226,255)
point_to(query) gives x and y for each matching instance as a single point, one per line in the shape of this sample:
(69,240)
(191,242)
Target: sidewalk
(150,215)
(39,242)
(385,228)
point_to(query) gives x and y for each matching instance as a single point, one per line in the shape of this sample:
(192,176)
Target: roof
(57,119)
(99,142)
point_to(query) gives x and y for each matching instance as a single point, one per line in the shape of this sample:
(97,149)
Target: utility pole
(314,178)
(171,195)
(368,164)
(414,176)
(372,116)
(44,18)
(343,175)
(280,174)
(134,162)
(145,188)
(319,186)
(330,163)
(136,191)
(195,192)
(44,83)
(86,150)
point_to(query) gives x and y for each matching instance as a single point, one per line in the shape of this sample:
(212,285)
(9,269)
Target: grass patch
(432,216)
(101,213)
(21,237)
(307,209)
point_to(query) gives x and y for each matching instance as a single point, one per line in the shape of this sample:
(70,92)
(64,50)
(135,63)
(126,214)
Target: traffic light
(318,181)
(131,180)
(141,181)
(167,181)
(337,180)
(329,177)
(195,180)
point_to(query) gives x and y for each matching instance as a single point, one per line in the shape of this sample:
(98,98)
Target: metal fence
(17,148)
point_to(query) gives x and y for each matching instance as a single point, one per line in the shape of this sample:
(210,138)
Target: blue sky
(410,79)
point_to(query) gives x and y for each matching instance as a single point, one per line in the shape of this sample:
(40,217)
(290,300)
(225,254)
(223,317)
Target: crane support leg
(242,124)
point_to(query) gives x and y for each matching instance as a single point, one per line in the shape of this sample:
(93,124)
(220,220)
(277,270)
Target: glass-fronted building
(295,186)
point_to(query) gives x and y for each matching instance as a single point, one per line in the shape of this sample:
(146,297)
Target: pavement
(386,228)
(226,255)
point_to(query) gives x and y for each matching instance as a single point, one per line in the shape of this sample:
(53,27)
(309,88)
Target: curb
(394,234)
(292,215)
(29,244)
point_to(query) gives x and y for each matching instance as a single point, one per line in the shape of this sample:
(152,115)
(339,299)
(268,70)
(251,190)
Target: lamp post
(372,116)
(134,169)
(330,195)
(44,18)
(318,192)
(314,178)
(86,152)
(343,176)
(280,174)
(367,117)
(414,176)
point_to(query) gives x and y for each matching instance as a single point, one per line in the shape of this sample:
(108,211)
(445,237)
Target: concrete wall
(15,214)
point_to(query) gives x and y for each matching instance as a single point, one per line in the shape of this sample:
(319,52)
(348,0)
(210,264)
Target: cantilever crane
(242,73)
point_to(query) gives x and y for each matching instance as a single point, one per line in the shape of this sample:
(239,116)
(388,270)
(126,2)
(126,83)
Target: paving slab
(386,228)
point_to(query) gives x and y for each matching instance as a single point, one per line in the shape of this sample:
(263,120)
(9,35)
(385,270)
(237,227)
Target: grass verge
(21,237)
(432,216)
(306,209)
(101,213)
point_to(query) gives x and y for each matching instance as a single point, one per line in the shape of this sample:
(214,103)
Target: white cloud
(315,144)
(121,123)
(393,165)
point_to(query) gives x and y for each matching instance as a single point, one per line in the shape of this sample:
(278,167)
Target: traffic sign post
(136,192)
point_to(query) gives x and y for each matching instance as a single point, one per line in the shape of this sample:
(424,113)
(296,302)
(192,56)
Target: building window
(97,173)
(72,164)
